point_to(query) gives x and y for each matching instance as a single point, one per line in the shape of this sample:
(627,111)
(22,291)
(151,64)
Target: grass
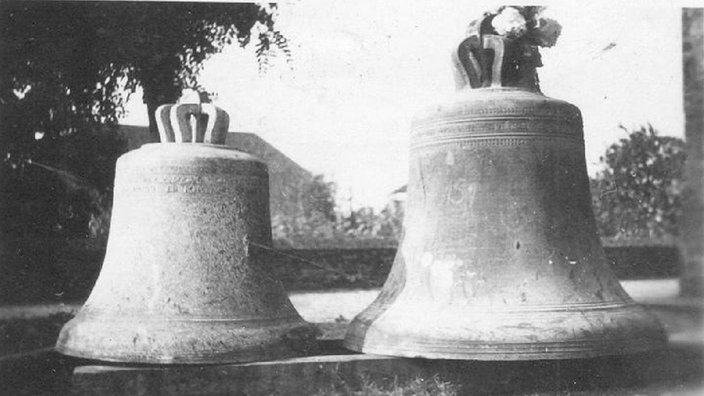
(22,335)
(364,386)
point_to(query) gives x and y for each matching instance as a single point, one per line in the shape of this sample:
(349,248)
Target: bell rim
(274,351)
(486,351)
(226,342)
(615,305)
(156,318)
(635,329)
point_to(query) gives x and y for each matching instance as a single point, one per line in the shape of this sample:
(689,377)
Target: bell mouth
(464,333)
(183,341)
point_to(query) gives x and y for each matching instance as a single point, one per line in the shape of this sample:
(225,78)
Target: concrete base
(674,370)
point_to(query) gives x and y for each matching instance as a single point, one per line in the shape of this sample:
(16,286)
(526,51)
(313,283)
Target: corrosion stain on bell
(184,278)
(500,258)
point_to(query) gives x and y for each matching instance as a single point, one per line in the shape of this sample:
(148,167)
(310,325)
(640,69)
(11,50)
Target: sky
(343,105)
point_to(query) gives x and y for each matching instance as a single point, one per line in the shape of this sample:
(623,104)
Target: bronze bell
(500,258)
(185,277)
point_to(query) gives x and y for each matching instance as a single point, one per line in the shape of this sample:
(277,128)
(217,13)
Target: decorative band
(480,140)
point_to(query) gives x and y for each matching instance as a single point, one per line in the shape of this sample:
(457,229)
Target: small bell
(185,276)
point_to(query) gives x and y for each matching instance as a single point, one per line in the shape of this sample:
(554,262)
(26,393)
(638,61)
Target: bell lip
(519,351)
(273,351)
(639,332)
(271,342)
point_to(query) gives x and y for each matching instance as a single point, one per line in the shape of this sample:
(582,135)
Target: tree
(321,220)
(318,199)
(67,62)
(638,192)
(316,218)
(67,69)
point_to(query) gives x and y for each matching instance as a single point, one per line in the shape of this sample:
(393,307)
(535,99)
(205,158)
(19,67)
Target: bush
(61,187)
(321,219)
(638,193)
(433,386)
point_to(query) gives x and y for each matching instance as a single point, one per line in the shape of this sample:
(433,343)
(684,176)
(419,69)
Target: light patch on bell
(156,289)
(141,335)
(408,249)
(414,279)
(467,286)
(427,260)
(442,277)
(450,158)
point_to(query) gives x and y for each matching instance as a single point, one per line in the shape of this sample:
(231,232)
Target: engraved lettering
(187,184)
(461,191)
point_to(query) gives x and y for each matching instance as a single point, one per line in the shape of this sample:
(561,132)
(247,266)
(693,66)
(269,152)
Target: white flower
(494,10)
(547,32)
(189,95)
(509,23)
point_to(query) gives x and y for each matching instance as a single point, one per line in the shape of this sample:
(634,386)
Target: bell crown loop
(174,122)
(486,59)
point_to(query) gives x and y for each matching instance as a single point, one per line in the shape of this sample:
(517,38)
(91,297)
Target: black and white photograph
(336,197)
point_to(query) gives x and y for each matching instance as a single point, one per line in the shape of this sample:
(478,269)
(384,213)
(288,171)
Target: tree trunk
(160,85)
(153,131)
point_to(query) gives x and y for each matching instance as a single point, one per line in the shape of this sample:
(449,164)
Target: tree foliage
(318,199)
(365,222)
(67,69)
(66,64)
(316,217)
(638,192)
(323,220)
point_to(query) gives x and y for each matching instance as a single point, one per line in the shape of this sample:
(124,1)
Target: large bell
(500,259)
(185,279)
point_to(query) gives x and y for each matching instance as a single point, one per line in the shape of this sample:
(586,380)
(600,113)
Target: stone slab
(676,371)
(300,376)
(671,371)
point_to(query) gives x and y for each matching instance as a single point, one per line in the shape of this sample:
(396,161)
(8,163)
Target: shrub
(638,193)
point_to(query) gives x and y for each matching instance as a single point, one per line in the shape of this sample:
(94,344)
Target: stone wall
(368,268)
(61,272)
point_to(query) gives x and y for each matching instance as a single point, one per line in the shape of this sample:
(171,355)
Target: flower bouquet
(501,48)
